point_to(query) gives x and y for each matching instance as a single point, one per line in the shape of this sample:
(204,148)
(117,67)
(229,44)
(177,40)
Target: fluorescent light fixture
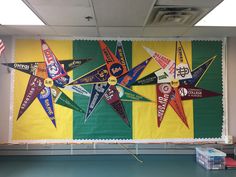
(16,12)
(222,15)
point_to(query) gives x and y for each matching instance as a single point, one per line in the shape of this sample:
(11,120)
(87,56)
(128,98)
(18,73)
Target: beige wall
(5,88)
(231,71)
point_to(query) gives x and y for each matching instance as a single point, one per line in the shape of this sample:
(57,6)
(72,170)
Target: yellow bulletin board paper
(34,124)
(145,114)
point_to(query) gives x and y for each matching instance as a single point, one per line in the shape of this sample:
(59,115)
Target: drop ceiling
(115,18)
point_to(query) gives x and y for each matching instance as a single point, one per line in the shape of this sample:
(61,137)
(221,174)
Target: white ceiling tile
(121,12)
(65,15)
(76,31)
(63,3)
(30,30)
(120,31)
(164,31)
(211,32)
(193,3)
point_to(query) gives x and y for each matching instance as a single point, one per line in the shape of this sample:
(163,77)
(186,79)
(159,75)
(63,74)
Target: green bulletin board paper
(208,112)
(104,123)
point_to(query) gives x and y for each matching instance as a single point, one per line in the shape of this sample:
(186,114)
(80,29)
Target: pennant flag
(182,66)
(45,98)
(54,68)
(34,87)
(32,68)
(164,62)
(120,54)
(77,89)
(62,81)
(112,98)
(2,47)
(98,91)
(62,99)
(156,77)
(132,75)
(128,95)
(39,68)
(98,75)
(198,73)
(69,65)
(163,97)
(176,104)
(115,68)
(190,92)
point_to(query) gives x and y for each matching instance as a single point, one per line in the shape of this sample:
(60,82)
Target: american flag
(2,47)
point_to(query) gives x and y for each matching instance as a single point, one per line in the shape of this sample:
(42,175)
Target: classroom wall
(5,87)
(231,71)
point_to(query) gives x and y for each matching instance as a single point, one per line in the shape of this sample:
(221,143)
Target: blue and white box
(210,158)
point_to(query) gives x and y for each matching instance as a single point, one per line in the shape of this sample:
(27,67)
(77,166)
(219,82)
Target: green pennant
(62,99)
(129,95)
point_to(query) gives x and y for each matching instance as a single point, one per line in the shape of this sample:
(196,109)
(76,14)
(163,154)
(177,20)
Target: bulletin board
(118,91)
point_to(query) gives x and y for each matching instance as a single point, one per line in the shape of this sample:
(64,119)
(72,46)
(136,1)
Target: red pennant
(163,96)
(189,92)
(113,99)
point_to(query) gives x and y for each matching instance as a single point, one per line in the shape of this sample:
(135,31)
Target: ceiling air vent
(175,16)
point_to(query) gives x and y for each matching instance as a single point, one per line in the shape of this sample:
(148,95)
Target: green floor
(106,166)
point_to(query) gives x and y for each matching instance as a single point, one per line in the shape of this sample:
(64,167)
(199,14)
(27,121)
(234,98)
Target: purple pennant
(190,92)
(132,75)
(113,99)
(98,91)
(120,54)
(45,98)
(34,87)
(98,75)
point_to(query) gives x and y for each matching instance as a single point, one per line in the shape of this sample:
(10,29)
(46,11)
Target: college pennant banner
(156,77)
(54,68)
(163,97)
(77,89)
(115,68)
(113,99)
(127,94)
(62,99)
(189,92)
(45,98)
(32,68)
(69,65)
(165,63)
(131,76)
(176,104)
(34,87)
(120,54)
(98,75)
(198,72)
(97,93)
(182,70)
(146,91)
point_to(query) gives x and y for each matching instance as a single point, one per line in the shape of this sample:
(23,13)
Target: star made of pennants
(175,82)
(46,81)
(112,81)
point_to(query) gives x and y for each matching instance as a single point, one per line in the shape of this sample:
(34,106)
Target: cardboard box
(210,158)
